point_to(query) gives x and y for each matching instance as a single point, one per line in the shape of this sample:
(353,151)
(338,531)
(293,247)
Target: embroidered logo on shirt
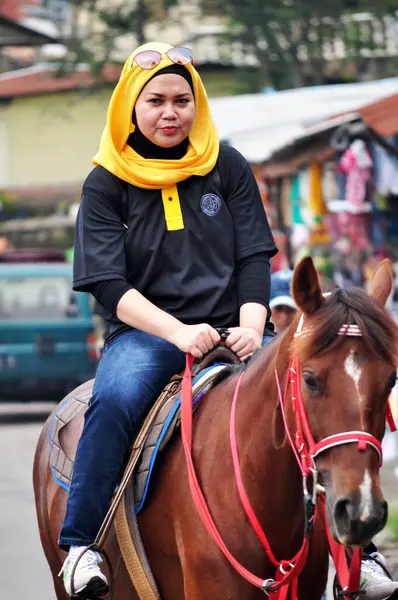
(210,204)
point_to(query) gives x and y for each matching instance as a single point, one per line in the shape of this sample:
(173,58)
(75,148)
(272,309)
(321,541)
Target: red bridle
(306,451)
(306,446)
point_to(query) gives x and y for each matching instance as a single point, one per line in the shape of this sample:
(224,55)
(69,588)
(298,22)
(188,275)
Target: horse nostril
(351,518)
(343,511)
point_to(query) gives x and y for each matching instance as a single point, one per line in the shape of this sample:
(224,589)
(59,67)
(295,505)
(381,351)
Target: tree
(293,40)
(94,27)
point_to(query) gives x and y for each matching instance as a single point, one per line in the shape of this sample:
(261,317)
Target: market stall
(338,191)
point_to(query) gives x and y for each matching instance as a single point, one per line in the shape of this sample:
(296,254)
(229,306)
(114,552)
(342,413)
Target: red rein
(305,450)
(287,571)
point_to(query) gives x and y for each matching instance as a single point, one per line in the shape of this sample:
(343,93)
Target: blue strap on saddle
(165,427)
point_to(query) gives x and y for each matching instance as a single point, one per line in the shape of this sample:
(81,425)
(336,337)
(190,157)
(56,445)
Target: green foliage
(229,82)
(392,523)
(295,42)
(94,45)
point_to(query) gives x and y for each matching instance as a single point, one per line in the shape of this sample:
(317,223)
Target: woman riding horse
(172,240)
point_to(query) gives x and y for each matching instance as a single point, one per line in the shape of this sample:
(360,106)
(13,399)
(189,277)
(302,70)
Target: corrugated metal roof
(381,116)
(258,124)
(18,34)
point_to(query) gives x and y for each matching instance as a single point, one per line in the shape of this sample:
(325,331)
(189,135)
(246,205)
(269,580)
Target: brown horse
(345,384)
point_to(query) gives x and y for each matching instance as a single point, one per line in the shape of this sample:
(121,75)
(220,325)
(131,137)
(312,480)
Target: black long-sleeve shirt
(202,273)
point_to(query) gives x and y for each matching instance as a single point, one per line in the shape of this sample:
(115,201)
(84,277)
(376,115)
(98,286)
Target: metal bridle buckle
(267,586)
(309,502)
(317,488)
(315,485)
(282,568)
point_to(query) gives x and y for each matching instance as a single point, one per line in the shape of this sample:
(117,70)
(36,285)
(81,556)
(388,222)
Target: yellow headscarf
(120,159)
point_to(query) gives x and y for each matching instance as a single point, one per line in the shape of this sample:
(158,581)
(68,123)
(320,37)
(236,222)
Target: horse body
(186,562)
(174,537)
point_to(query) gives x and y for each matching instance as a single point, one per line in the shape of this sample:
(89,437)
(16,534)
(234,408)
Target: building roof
(42,79)
(382,116)
(16,9)
(314,141)
(13,33)
(260,124)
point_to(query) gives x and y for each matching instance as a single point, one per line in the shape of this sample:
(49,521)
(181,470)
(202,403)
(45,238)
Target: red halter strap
(305,443)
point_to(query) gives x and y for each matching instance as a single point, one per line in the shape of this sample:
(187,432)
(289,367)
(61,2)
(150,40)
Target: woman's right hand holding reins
(196,339)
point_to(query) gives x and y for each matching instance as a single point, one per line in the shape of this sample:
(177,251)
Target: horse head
(346,352)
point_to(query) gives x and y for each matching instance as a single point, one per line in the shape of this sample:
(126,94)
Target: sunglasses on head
(149,59)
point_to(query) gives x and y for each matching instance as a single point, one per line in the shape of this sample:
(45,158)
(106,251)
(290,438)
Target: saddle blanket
(161,430)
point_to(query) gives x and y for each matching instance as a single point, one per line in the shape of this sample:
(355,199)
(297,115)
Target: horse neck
(266,459)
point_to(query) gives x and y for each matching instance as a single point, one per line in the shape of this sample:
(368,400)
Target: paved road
(23,570)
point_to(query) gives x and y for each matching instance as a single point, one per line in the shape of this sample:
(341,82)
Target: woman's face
(165,110)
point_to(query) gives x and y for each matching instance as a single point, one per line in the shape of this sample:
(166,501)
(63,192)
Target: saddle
(158,428)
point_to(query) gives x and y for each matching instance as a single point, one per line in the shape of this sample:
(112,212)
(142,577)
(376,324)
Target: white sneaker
(375,580)
(88,577)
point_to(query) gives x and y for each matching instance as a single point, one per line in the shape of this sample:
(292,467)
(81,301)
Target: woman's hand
(243,341)
(195,339)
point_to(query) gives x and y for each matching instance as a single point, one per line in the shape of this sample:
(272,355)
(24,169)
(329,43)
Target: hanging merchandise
(262,187)
(340,178)
(304,192)
(386,172)
(316,198)
(258,172)
(286,202)
(272,202)
(304,189)
(299,236)
(317,205)
(295,201)
(329,183)
(280,261)
(358,230)
(356,163)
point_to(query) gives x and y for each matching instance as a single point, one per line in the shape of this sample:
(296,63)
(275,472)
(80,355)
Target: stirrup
(338,593)
(90,595)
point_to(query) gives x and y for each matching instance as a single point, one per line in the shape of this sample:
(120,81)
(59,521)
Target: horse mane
(351,306)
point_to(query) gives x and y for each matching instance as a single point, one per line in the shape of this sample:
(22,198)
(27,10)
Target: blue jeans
(133,371)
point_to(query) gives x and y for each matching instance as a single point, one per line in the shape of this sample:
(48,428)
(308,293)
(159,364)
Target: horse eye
(311,381)
(392,381)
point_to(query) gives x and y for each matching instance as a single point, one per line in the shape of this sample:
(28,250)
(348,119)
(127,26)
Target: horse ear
(382,282)
(305,287)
